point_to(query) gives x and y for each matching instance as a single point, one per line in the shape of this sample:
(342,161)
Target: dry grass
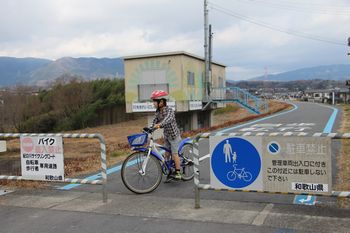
(24,184)
(239,116)
(82,156)
(343,162)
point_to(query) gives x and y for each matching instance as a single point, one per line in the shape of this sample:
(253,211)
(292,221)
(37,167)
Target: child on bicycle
(165,118)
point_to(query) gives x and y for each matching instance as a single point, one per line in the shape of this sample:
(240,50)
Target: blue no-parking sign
(273,147)
(236,163)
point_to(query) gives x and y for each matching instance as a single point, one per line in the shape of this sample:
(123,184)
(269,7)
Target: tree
(19,104)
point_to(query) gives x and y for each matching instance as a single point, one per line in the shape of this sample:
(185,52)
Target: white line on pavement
(260,218)
(4,192)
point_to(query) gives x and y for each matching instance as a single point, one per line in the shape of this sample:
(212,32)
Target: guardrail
(102,182)
(199,186)
(240,96)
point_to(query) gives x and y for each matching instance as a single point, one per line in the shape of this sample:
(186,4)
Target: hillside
(34,71)
(329,72)
(88,68)
(17,70)
(297,85)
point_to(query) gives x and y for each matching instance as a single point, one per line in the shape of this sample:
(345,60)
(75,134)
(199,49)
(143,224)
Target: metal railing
(102,182)
(199,186)
(240,96)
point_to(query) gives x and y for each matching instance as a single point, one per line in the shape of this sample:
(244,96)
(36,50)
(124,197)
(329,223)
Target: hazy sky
(115,28)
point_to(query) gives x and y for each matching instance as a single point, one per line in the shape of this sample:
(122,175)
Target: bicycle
(142,170)
(240,173)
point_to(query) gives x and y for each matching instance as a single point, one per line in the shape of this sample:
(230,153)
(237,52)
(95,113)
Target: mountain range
(327,72)
(35,71)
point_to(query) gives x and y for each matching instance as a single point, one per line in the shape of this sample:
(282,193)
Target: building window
(190,78)
(151,80)
(221,81)
(145,90)
(153,76)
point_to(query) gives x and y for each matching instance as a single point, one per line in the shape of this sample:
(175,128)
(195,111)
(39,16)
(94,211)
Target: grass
(343,161)
(238,116)
(229,108)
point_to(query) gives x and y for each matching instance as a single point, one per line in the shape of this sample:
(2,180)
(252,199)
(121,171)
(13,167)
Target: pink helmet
(159,94)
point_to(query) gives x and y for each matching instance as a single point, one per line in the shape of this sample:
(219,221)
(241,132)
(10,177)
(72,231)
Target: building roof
(337,90)
(176,53)
(343,90)
(318,91)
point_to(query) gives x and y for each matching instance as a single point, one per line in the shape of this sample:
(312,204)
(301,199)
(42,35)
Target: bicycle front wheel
(138,180)
(247,176)
(186,159)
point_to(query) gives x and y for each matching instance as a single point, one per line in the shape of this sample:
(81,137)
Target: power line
(310,4)
(305,7)
(274,28)
(298,8)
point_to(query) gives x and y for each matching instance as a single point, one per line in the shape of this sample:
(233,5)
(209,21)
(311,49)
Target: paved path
(61,211)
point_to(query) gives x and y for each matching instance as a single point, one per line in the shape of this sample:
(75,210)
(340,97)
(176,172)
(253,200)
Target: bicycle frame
(239,171)
(152,149)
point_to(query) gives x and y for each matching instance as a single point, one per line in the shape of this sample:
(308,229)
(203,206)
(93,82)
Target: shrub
(40,124)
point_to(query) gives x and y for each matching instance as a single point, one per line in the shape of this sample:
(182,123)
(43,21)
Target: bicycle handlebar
(148,130)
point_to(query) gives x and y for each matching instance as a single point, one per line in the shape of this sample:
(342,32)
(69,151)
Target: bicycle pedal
(181,180)
(168,179)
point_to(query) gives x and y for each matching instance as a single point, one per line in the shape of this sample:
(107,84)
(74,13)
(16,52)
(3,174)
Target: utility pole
(210,55)
(206,51)
(348,81)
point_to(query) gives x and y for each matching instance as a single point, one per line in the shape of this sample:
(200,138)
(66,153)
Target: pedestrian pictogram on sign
(235,163)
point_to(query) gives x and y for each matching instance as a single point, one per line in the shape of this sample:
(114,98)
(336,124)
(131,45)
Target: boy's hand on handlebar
(156,126)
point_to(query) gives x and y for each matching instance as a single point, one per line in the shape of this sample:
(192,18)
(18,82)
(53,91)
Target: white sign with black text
(42,158)
(196,105)
(2,146)
(148,107)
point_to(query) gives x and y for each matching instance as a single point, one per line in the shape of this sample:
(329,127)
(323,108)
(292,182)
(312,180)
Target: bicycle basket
(137,139)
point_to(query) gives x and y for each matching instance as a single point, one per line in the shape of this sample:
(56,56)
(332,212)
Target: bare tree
(19,104)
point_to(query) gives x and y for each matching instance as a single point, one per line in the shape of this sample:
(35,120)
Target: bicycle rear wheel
(137,180)
(186,161)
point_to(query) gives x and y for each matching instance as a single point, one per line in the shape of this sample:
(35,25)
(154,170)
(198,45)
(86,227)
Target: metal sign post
(348,84)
